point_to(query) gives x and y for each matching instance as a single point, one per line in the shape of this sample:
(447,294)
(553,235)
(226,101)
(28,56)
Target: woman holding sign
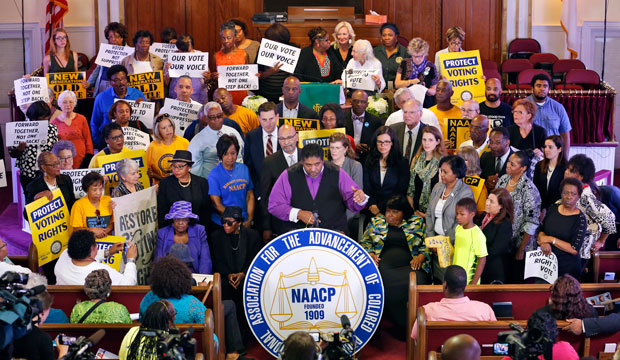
(160,151)
(564,228)
(93,212)
(74,127)
(315,63)
(417,70)
(116,34)
(121,113)
(60,58)
(455,37)
(142,60)
(364,59)
(128,172)
(230,54)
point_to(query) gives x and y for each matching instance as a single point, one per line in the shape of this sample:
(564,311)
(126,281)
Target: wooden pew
(66,296)
(525,298)
(606,261)
(114,334)
(434,355)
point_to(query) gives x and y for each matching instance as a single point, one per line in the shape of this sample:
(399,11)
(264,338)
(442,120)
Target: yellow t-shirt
(93,162)
(159,154)
(469,245)
(84,214)
(246,119)
(442,116)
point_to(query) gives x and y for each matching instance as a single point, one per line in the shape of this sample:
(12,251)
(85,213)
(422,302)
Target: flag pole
(604,41)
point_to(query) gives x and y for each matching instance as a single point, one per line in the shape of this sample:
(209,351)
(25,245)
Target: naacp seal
(306,280)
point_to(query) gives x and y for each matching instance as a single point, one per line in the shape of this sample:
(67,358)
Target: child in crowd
(470,248)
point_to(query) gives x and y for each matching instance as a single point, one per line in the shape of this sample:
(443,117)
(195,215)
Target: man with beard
(493,162)
(478,129)
(550,114)
(498,112)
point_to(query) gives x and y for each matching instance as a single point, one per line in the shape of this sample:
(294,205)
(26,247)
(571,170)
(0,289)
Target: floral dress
(526,201)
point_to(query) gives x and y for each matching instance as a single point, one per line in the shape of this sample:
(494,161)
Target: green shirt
(109,312)
(390,65)
(469,245)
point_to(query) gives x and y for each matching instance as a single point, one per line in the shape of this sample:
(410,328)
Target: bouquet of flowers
(253,102)
(377,106)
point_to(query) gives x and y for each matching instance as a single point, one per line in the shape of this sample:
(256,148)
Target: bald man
(444,109)
(498,112)
(461,347)
(478,129)
(246,118)
(290,107)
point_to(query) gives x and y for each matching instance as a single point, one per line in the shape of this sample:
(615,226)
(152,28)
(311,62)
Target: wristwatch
(553,243)
(132,260)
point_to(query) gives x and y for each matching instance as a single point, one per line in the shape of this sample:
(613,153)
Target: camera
(174,344)
(340,345)
(523,344)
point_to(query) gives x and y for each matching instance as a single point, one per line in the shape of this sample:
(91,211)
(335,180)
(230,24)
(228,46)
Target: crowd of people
(236,180)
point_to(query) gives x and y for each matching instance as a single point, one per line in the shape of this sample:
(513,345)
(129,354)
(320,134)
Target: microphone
(35,290)
(346,326)
(12,277)
(91,341)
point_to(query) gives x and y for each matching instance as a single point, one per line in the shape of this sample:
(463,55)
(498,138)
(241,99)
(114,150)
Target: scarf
(416,70)
(425,172)
(487,219)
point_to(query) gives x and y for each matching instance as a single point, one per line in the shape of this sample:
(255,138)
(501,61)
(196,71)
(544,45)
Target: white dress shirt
(290,113)
(274,141)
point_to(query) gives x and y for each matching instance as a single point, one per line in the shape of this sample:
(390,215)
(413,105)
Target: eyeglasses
(518,112)
(456,43)
(117,137)
(66,158)
(381,143)
(215,117)
(178,167)
(56,164)
(61,38)
(117,80)
(162,117)
(229,222)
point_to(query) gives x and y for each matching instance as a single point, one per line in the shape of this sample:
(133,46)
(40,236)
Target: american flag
(55,11)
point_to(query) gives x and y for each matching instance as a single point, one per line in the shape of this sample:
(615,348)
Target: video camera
(18,306)
(341,345)
(173,344)
(522,344)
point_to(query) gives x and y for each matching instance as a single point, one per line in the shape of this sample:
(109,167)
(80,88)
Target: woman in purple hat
(185,230)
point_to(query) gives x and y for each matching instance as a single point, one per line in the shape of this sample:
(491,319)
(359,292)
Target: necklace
(511,184)
(235,248)
(443,194)
(186,184)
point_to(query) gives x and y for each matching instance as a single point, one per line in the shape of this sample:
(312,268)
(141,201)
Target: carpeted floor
(17,240)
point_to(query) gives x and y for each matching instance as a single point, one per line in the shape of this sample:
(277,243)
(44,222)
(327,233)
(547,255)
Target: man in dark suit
(261,142)
(409,132)
(360,124)
(594,326)
(273,166)
(290,107)
(493,163)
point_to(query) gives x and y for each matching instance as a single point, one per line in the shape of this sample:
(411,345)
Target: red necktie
(269,146)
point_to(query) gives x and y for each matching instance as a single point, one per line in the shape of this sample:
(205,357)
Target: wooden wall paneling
(171,13)
(380,6)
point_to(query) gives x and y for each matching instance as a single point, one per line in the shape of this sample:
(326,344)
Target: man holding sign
(119,90)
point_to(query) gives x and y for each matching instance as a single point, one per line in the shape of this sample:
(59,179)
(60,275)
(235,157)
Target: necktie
(290,160)
(498,165)
(269,146)
(409,146)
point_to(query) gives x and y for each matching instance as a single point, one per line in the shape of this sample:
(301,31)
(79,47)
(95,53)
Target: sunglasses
(161,117)
(229,222)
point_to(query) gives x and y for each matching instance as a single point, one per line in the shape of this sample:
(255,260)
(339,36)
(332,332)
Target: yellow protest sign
(464,70)
(457,131)
(301,124)
(104,243)
(151,84)
(108,163)
(320,137)
(476,184)
(60,82)
(444,247)
(50,226)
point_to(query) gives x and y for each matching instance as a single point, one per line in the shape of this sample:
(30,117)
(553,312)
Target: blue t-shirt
(57,316)
(188,308)
(231,186)
(103,103)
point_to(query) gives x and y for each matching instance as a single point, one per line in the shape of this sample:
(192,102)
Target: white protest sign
(143,111)
(181,112)
(30,90)
(190,64)
(2,174)
(359,79)
(112,54)
(30,132)
(272,52)
(539,265)
(136,139)
(419,92)
(238,77)
(76,176)
(162,49)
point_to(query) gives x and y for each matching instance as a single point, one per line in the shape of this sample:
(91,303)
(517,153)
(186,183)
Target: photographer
(300,346)
(140,345)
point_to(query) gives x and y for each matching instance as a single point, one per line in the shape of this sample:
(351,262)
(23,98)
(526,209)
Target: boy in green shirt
(470,244)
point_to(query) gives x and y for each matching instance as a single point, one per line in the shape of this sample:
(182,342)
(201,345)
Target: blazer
(498,247)
(273,166)
(487,164)
(551,193)
(400,129)
(170,191)
(197,243)
(602,324)
(64,182)
(253,156)
(448,215)
(303,112)
(395,182)
(371,123)
(308,70)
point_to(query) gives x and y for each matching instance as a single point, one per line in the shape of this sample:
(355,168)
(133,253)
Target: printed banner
(136,139)
(307,280)
(50,226)
(190,64)
(359,79)
(273,52)
(109,55)
(320,137)
(539,265)
(162,49)
(315,95)
(135,219)
(464,70)
(104,243)
(143,111)
(457,131)
(181,112)
(108,163)
(76,176)
(30,132)
(301,124)
(60,82)
(2,174)
(238,77)
(444,247)
(476,184)
(150,83)
(30,90)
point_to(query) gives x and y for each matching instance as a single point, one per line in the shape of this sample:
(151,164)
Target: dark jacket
(487,164)
(273,166)
(38,184)
(401,131)
(197,193)
(308,69)
(303,112)
(498,248)
(371,123)
(253,155)
(395,182)
(602,324)
(548,194)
